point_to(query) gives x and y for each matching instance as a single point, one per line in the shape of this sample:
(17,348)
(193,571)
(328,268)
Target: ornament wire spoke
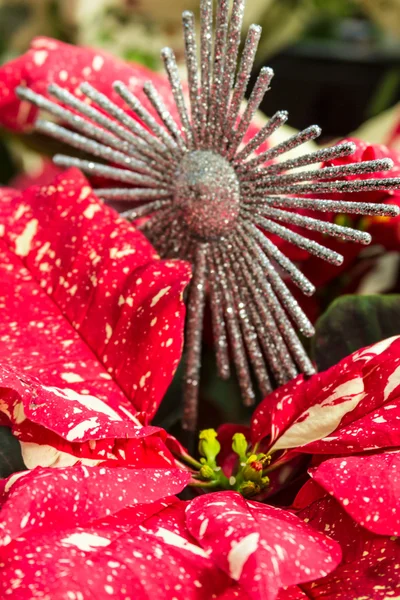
(246,323)
(206,19)
(177,92)
(285,327)
(265,301)
(276,121)
(275,254)
(296,140)
(142,211)
(242,78)
(264,265)
(270,339)
(193,338)
(133,194)
(148,119)
(318,204)
(325,154)
(221,31)
(218,321)
(344,233)
(333,187)
(298,240)
(164,114)
(189,34)
(235,336)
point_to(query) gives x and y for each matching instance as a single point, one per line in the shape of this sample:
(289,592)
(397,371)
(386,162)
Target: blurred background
(336,62)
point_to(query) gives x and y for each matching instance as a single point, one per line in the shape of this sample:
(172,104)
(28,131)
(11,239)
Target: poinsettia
(136,541)
(91,329)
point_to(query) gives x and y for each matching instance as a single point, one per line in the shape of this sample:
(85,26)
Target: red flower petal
(371,564)
(367,487)
(141,552)
(261,547)
(39,499)
(51,61)
(100,278)
(350,408)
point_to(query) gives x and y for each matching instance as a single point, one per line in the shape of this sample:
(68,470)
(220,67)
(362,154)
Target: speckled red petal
(261,547)
(352,407)
(40,499)
(367,487)
(95,309)
(51,61)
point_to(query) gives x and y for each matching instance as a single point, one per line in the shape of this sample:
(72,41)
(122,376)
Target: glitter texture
(211,199)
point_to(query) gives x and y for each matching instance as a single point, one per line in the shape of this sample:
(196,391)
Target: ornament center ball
(207,191)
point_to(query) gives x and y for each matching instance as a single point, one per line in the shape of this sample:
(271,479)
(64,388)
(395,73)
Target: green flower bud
(239,445)
(209,446)
(207,473)
(253,472)
(249,488)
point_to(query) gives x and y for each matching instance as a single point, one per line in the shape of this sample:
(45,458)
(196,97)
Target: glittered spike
(283,366)
(259,90)
(368,166)
(318,204)
(164,114)
(271,342)
(222,18)
(275,254)
(93,168)
(132,194)
(189,34)
(344,233)
(148,119)
(300,241)
(135,129)
(273,124)
(248,330)
(296,140)
(99,150)
(235,336)
(242,78)
(286,328)
(325,154)
(193,339)
(171,69)
(218,322)
(206,18)
(135,213)
(235,27)
(333,187)
(129,141)
(213,202)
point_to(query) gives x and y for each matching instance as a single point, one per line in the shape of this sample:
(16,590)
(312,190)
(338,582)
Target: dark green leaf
(10,454)
(352,322)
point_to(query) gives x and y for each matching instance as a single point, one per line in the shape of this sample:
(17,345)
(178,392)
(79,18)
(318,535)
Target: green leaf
(10,454)
(352,322)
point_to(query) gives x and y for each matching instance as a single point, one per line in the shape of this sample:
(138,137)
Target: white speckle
(392,382)
(88,401)
(142,381)
(79,430)
(24,241)
(240,553)
(171,538)
(63,75)
(169,342)
(109,331)
(40,57)
(115,253)
(24,521)
(85,541)
(91,210)
(97,63)
(203,527)
(160,294)
(71,377)
(153,322)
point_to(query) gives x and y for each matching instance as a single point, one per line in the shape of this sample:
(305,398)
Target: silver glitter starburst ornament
(213,200)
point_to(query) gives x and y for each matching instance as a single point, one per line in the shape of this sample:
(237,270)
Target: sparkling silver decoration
(211,199)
